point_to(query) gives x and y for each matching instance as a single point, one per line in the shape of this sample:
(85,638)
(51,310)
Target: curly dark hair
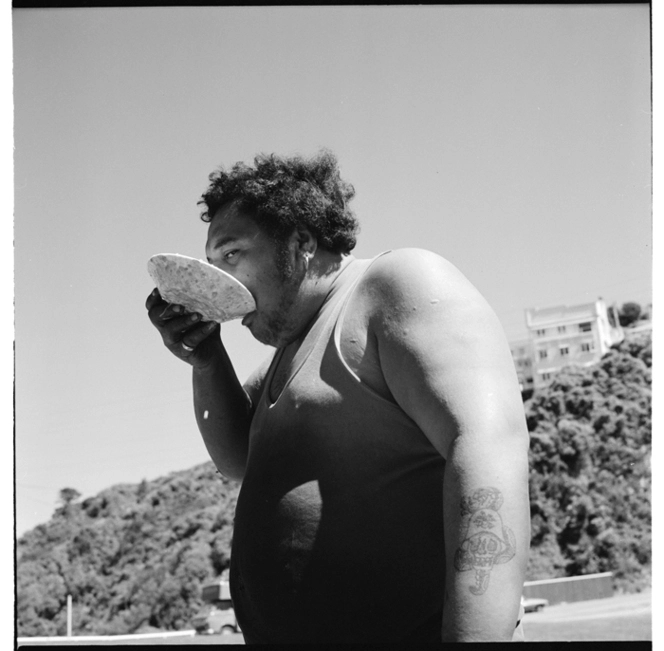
(283,193)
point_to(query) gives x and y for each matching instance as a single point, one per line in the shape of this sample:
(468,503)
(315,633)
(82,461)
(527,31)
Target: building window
(562,329)
(543,354)
(613,317)
(564,351)
(541,332)
(586,348)
(546,376)
(585,327)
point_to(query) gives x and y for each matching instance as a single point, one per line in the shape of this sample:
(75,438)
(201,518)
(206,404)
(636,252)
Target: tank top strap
(340,311)
(335,307)
(323,327)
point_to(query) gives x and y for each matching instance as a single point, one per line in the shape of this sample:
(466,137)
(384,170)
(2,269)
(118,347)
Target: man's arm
(223,408)
(223,412)
(447,363)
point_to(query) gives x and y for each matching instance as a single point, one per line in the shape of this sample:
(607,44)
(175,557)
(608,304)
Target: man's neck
(324,269)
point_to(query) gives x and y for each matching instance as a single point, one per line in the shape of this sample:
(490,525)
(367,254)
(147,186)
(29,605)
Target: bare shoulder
(439,345)
(407,280)
(409,260)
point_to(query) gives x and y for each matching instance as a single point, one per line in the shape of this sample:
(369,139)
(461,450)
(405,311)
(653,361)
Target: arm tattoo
(487,541)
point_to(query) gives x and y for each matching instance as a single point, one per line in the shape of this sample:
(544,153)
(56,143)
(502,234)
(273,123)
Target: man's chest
(356,345)
(285,367)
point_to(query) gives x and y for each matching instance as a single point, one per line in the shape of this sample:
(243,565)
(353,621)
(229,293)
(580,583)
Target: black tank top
(338,531)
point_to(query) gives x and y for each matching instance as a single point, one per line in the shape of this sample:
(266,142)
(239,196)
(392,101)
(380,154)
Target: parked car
(217,616)
(533,604)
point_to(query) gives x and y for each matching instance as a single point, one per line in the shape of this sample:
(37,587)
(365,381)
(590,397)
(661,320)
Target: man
(382,451)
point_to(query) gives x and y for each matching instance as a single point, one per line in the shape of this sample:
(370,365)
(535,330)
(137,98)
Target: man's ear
(306,242)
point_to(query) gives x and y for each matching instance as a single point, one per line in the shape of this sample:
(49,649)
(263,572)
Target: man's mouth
(247,318)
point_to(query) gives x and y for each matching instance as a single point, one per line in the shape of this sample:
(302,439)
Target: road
(623,617)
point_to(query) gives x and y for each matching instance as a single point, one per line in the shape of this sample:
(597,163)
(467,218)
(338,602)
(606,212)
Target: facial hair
(280,324)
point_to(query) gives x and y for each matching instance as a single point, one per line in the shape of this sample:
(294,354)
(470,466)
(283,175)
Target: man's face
(238,246)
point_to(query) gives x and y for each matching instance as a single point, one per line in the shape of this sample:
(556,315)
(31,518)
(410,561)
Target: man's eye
(230,254)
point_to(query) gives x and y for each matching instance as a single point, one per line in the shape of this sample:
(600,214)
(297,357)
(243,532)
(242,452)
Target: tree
(67,498)
(68,495)
(629,313)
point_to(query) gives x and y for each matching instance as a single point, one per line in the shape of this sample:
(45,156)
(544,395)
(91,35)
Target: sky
(513,140)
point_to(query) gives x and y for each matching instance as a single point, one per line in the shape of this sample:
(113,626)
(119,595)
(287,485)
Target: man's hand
(183,332)
(222,407)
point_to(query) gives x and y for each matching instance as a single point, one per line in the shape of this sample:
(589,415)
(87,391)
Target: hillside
(132,556)
(136,555)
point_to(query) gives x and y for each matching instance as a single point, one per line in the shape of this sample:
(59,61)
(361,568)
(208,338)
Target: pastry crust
(200,287)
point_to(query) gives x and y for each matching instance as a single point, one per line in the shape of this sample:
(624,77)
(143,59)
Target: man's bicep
(448,365)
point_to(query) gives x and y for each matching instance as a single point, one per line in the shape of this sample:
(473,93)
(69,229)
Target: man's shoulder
(408,272)
(407,285)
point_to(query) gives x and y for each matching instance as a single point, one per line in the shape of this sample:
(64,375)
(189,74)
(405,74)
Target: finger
(194,336)
(171,310)
(162,311)
(174,328)
(152,299)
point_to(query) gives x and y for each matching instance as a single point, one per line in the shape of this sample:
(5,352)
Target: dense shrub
(590,482)
(131,557)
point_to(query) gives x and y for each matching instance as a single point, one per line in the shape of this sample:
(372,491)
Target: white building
(522,353)
(563,336)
